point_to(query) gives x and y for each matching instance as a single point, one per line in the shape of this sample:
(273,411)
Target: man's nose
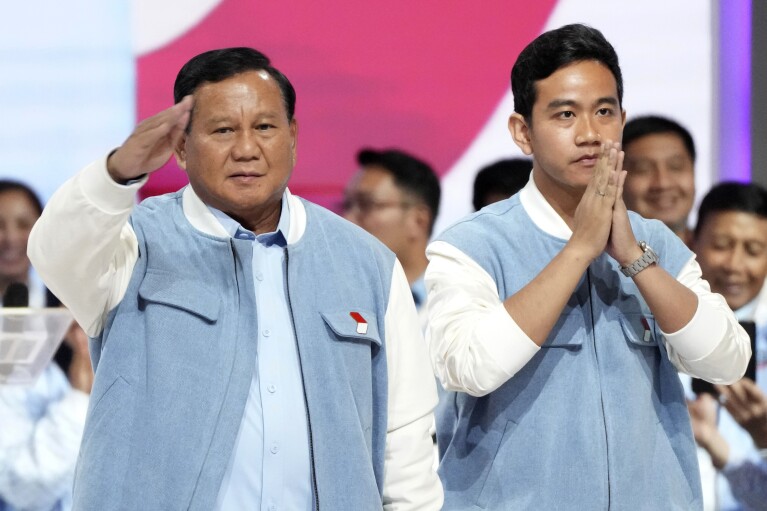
(246,146)
(587,133)
(735,259)
(13,234)
(662,177)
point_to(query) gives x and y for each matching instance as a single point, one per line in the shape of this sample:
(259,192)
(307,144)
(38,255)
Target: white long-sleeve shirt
(476,346)
(91,210)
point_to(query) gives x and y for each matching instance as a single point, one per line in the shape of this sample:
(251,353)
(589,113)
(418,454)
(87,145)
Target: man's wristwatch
(649,257)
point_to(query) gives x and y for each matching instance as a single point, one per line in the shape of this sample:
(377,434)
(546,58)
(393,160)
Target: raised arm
(701,332)
(477,340)
(82,246)
(537,306)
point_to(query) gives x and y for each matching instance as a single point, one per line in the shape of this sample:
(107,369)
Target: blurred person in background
(40,424)
(730,240)
(395,197)
(500,180)
(660,160)
(19,210)
(747,404)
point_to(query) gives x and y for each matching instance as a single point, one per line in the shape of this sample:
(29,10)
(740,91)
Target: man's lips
(665,201)
(588,159)
(246,176)
(729,287)
(11,256)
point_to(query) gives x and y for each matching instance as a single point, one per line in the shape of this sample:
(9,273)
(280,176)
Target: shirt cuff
(104,192)
(698,338)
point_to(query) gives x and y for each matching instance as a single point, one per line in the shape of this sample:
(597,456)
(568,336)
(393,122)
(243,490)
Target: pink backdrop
(423,76)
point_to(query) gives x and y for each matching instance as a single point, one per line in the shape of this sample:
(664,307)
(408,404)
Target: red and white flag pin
(647,330)
(362,325)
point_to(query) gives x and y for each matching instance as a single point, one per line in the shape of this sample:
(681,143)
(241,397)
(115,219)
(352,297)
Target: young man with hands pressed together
(562,319)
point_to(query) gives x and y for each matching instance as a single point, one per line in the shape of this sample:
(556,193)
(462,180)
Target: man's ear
(180,151)
(520,132)
(294,137)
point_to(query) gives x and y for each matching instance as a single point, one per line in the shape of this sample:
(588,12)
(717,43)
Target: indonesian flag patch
(647,331)
(362,325)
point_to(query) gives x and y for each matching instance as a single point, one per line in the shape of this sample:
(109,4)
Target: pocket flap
(639,329)
(352,325)
(568,332)
(181,293)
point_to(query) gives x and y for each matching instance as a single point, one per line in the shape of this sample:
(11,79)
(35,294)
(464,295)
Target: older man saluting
(245,356)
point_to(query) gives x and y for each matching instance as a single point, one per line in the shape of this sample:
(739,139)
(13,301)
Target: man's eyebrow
(218,119)
(610,100)
(559,103)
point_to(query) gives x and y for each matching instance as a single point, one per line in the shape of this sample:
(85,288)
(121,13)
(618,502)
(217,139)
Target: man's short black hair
(504,177)
(655,125)
(732,196)
(9,185)
(411,174)
(218,65)
(553,50)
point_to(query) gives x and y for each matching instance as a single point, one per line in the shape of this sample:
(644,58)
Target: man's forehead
(733,219)
(256,87)
(244,81)
(573,79)
(375,168)
(375,175)
(372,178)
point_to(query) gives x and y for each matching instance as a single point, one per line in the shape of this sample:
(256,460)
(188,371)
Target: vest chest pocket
(180,293)
(353,326)
(354,342)
(639,329)
(180,319)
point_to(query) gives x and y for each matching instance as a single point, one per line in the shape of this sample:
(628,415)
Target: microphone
(16,295)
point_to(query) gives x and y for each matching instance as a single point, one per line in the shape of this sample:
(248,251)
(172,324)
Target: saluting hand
(151,144)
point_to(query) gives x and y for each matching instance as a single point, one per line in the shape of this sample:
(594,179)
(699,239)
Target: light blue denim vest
(177,355)
(597,419)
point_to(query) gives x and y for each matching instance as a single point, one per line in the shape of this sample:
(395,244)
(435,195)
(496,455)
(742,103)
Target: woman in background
(41,424)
